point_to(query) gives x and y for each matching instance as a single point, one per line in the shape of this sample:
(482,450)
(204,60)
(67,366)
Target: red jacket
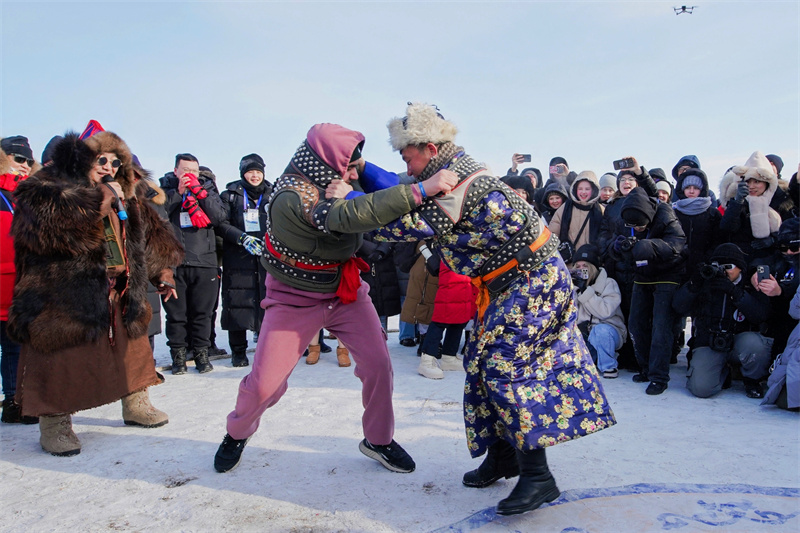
(8,182)
(455,299)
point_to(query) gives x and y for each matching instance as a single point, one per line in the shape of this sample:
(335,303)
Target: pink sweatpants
(292,317)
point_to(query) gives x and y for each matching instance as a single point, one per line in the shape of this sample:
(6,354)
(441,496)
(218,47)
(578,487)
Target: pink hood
(334,144)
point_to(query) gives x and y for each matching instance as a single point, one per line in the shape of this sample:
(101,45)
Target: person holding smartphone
(600,317)
(728,313)
(749,222)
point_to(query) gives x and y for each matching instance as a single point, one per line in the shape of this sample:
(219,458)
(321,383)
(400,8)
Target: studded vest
(306,176)
(444,214)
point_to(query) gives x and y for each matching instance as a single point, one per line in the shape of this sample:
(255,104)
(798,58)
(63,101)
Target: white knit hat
(422,124)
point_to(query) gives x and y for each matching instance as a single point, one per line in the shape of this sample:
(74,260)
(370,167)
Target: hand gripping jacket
(306,176)
(474,183)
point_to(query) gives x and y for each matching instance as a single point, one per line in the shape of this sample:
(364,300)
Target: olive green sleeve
(370,211)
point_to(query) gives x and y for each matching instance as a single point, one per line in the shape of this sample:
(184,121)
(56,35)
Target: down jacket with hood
(568,220)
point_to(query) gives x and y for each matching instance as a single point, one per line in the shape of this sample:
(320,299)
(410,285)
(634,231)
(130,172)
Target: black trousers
(189,317)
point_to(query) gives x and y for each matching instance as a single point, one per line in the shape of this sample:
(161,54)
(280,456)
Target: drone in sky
(684,9)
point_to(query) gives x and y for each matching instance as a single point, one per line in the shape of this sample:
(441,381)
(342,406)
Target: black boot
(535,486)
(500,461)
(12,413)
(178,361)
(419,347)
(239,359)
(201,361)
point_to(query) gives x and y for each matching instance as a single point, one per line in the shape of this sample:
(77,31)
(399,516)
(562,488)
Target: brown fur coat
(61,295)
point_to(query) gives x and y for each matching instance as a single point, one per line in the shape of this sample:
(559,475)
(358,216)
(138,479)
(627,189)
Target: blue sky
(590,81)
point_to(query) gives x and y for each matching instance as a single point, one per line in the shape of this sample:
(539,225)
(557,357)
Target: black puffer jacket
(701,229)
(384,286)
(658,253)
(243,276)
(713,310)
(199,243)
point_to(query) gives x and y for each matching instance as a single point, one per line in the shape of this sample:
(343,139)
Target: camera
(712,270)
(627,244)
(721,341)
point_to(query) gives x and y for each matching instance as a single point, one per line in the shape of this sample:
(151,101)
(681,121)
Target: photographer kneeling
(727,310)
(600,317)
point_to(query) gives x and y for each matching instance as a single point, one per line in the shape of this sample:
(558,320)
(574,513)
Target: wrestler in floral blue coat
(530,380)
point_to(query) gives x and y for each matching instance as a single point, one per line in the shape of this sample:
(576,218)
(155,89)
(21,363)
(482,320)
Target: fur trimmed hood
(422,124)
(757,167)
(106,141)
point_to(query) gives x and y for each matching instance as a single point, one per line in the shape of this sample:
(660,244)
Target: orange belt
(481,281)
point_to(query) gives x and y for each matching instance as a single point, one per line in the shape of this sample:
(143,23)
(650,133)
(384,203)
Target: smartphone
(526,158)
(619,164)
(558,169)
(763,272)
(583,273)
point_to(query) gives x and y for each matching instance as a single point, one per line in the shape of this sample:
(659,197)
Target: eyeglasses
(115,163)
(23,160)
(627,178)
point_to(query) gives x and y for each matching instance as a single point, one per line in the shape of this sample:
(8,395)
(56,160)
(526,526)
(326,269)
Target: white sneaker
(429,368)
(450,362)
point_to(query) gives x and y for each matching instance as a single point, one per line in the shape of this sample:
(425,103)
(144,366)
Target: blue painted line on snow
(481,518)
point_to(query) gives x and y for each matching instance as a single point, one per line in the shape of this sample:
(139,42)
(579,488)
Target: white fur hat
(422,124)
(757,167)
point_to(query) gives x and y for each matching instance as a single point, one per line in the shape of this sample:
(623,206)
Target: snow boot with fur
(57,436)
(138,411)
(313,354)
(343,356)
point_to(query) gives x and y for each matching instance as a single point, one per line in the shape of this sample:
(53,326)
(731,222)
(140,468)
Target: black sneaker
(391,455)
(229,454)
(639,377)
(752,388)
(408,343)
(655,388)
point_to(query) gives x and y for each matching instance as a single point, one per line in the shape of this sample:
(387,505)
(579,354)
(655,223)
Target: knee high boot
(535,486)
(57,436)
(138,411)
(500,461)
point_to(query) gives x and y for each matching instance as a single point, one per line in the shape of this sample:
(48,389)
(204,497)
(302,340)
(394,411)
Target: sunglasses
(116,163)
(728,266)
(790,247)
(23,160)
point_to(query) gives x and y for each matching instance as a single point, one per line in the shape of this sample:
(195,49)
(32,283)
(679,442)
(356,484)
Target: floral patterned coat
(530,379)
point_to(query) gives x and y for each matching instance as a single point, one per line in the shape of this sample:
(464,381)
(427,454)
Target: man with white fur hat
(749,222)
(525,356)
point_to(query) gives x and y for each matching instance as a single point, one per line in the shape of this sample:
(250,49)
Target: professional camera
(721,341)
(712,270)
(627,244)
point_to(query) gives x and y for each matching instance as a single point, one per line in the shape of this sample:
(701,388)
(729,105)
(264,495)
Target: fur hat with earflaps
(422,124)
(763,219)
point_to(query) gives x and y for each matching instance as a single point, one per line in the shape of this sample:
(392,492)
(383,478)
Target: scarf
(254,190)
(763,219)
(692,206)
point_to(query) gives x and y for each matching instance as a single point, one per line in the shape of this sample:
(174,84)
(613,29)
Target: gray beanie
(609,179)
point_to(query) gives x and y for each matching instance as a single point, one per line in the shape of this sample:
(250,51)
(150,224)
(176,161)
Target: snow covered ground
(673,462)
